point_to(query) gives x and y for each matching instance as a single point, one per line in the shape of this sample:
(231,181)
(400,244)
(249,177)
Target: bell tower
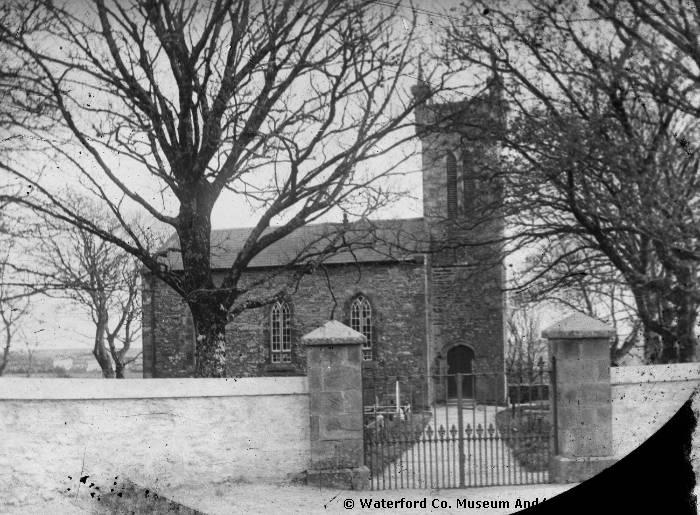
(463,216)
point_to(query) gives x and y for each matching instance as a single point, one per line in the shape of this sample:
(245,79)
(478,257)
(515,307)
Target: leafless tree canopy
(170,107)
(164,106)
(586,282)
(100,277)
(600,154)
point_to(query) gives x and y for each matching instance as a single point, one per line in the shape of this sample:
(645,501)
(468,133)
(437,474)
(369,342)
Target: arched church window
(451,169)
(471,185)
(280,333)
(361,321)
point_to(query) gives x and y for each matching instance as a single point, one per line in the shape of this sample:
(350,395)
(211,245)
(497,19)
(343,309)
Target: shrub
(386,445)
(528,433)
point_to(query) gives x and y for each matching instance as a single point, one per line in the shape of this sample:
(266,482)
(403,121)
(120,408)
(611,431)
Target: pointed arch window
(451,170)
(361,321)
(280,333)
(471,184)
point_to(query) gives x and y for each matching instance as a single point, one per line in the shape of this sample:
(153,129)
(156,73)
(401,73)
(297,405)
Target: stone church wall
(167,331)
(472,316)
(395,291)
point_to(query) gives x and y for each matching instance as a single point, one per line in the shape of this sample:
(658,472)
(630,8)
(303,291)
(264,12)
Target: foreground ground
(258,498)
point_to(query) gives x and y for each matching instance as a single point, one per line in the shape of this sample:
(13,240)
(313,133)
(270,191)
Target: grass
(527,433)
(385,446)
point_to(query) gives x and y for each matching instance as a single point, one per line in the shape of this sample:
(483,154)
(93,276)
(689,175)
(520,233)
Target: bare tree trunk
(104,360)
(117,355)
(687,341)
(6,350)
(100,352)
(5,357)
(669,349)
(652,346)
(617,351)
(687,311)
(678,346)
(210,327)
(30,362)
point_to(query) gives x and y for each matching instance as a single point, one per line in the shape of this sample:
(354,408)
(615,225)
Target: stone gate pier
(580,348)
(334,371)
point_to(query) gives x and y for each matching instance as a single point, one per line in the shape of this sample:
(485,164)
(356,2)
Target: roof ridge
(320,224)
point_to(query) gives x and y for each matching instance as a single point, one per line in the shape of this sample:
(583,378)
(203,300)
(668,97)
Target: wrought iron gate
(433,432)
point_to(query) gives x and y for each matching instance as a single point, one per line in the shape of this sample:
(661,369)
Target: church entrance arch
(460,359)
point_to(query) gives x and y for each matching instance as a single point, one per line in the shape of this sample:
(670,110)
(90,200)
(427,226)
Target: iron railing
(456,430)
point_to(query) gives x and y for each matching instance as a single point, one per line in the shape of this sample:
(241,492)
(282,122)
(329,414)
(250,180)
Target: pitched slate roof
(369,241)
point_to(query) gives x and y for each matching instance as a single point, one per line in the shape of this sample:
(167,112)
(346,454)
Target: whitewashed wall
(159,432)
(644,398)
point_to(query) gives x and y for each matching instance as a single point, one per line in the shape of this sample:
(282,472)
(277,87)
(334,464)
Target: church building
(428,295)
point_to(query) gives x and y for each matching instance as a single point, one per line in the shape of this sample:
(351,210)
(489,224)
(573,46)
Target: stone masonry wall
(644,398)
(159,433)
(395,291)
(471,314)
(168,332)
(466,275)
(335,389)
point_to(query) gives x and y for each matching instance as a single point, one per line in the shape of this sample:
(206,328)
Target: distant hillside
(63,363)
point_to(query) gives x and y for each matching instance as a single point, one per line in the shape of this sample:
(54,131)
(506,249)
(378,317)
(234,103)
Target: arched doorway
(459,361)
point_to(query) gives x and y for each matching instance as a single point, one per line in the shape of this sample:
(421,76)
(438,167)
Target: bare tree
(596,158)
(665,32)
(585,282)
(13,307)
(526,351)
(127,327)
(30,348)
(297,108)
(100,277)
